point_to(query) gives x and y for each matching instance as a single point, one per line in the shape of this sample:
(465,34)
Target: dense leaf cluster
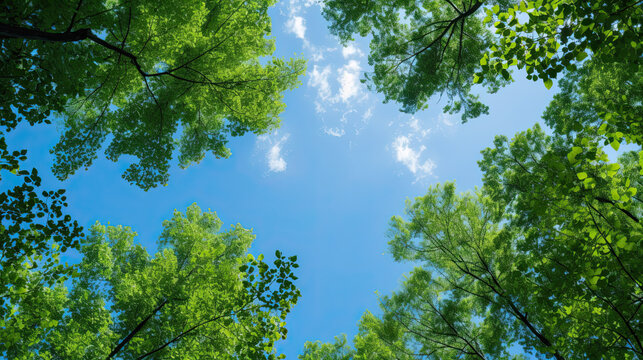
(152,79)
(200,296)
(419,49)
(157,80)
(545,260)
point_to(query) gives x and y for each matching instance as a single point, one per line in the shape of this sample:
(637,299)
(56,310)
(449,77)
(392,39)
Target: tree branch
(607,201)
(138,328)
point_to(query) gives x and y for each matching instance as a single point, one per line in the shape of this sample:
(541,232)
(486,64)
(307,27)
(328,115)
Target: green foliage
(339,350)
(423,48)
(546,37)
(582,234)
(419,49)
(34,231)
(602,99)
(200,296)
(371,343)
(468,297)
(151,78)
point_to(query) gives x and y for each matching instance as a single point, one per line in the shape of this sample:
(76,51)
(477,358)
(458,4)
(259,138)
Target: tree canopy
(153,79)
(424,48)
(200,296)
(544,260)
(538,259)
(419,48)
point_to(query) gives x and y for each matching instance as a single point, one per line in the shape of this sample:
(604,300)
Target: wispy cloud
(272,145)
(411,157)
(319,79)
(446,119)
(351,50)
(418,130)
(368,114)
(297,25)
(349,84)
(336,132)
(276,162)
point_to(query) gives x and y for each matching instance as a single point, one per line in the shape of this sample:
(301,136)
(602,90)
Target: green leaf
(581,55)
(622,242)
(548,83)
(571,156)
(581,175)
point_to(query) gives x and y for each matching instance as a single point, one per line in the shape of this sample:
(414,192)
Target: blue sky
(323,186)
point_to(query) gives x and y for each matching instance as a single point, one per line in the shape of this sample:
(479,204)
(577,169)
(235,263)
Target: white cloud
(316,54)
(410,157)
(350,50)
(338,88)
(349,84)
(336,132)
(446,119)
(368,114)
(319,79)
(419,131)
(344,118)
(319,107)
(347,77)
(276,162)
(297,26)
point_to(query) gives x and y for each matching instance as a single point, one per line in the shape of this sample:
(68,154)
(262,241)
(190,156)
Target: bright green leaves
(571,156)
(546,38)
(612,169)
(186,67)
(548,83)
(200,296)
(579,219)
(467,290)
(581,56)
(338,350)
(419,49)
(34,231)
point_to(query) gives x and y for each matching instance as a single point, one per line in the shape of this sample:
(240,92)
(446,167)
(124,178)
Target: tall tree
(556,279)
(151,78)
(424,48)
(419,48)
(201,296)
(581,219)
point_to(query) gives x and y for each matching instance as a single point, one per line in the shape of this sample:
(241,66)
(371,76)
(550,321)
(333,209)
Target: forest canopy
(200,295)
(420,49)
(150,78)
(543,260)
